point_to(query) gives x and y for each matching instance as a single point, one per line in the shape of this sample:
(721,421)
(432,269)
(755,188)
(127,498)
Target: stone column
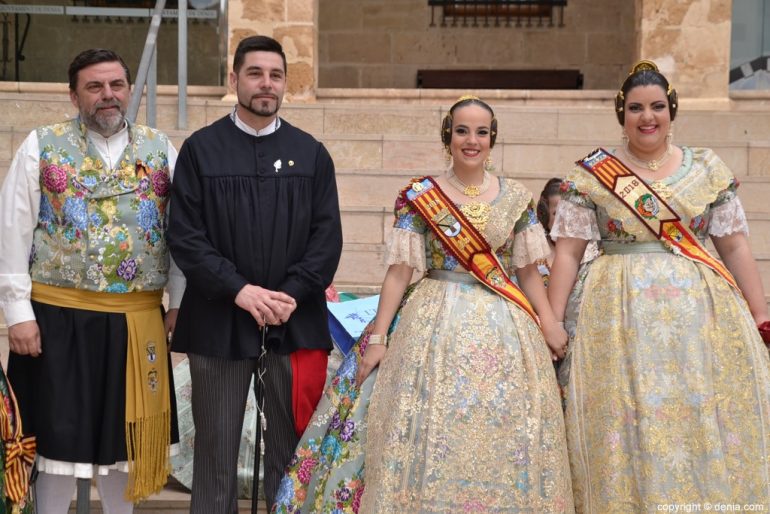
(293,23)
(690,42)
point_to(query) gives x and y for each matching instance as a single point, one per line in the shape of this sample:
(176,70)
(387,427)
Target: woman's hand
(556,338)
(373,354)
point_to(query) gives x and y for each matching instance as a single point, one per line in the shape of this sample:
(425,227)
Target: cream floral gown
(668,400)
(465,415)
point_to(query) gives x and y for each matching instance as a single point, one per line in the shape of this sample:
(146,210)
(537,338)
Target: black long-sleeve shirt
(259,210)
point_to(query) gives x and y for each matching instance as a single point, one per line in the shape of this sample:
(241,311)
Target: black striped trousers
(219,391)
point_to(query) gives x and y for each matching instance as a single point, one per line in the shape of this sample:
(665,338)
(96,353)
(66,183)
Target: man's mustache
(107,105)
(264,96)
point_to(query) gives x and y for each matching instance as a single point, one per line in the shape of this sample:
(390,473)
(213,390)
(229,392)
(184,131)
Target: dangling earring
(670,135)
(624,138)
(447,156)
(488,167)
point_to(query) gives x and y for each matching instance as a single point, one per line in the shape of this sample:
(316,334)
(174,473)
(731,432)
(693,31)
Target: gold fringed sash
(148,407)
(463,241)
(651,209)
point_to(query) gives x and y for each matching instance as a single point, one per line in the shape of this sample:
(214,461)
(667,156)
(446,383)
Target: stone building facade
(381,43)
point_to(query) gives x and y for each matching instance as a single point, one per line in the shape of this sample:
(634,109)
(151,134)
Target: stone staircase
(379,139)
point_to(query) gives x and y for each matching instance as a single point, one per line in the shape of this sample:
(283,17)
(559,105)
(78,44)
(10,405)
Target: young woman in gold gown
(668,401)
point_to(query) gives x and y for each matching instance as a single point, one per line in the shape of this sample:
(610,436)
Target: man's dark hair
(256,44)
(93,56)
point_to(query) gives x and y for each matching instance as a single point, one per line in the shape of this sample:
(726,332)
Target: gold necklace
(652,164)
(472,190)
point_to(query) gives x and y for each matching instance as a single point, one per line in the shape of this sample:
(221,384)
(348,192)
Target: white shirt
(19,208)
(250,130)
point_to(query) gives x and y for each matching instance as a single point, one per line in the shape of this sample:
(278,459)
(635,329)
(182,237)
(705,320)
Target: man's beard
(105,123)
(263,107)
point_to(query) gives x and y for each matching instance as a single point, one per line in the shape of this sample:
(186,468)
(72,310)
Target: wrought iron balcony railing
(497,13)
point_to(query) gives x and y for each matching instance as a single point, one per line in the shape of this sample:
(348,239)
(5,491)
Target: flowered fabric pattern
(668,399)
(101,229)
(326,474)
(465,415)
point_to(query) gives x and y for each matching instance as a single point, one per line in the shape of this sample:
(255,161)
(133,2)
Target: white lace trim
(529,245)
(406,247)
(728,218)
(591,253)
(573,220)
(78,469)
(85,469)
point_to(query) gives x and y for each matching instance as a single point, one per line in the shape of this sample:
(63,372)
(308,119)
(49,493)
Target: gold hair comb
(467,97)
(644,65)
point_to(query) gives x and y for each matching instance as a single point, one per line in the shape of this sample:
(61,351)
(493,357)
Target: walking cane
(259,394)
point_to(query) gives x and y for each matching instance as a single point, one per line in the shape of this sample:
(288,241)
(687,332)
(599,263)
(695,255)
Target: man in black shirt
(255,227)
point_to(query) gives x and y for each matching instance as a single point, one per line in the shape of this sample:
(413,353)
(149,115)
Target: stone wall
(382,43)
(690,41)
(294,24)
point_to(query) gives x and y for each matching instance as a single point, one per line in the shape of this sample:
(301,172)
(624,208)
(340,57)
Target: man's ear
(233,81)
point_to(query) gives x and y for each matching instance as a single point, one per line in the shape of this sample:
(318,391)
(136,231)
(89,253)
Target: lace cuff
(572,220)
(591,253)
(529,245)
(728,218)
(406,247)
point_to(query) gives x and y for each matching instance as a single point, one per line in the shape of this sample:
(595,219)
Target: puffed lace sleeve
(575,215)
(406,243)
(529,242)
(728,218)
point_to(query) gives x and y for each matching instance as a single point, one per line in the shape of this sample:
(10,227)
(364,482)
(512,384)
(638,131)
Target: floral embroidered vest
(101,229)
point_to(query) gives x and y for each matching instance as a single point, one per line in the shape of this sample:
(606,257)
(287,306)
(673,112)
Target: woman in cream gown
(465,413)
(668,401)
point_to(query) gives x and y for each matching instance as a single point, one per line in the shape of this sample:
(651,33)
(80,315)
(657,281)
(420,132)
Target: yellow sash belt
(148,407)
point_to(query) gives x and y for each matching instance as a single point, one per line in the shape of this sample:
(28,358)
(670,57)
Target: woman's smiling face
(471,137)
(647,119)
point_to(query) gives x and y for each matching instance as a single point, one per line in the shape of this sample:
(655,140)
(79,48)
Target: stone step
(535,151)
(172,500)
(580,118)
(379,187)
(551,157)
(375,157)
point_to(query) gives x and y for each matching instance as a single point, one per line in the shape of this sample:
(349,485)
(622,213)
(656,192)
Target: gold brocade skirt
(668,401)
(465,415)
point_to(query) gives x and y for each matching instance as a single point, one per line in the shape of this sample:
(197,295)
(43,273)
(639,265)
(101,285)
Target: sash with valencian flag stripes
(650,208)
(18,453)
(463,241)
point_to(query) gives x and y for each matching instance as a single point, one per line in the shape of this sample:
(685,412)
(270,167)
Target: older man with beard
(83,264)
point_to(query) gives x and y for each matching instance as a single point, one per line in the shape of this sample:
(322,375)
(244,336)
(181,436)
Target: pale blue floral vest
(101,229)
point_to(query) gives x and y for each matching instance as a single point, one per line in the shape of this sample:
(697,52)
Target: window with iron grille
(497,13)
